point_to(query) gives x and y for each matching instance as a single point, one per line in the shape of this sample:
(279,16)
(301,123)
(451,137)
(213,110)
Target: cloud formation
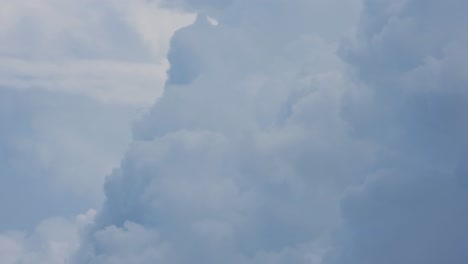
(55,152)
(53,241)
(73,76)
(268,146)
(113,51)
(244,157)
(412,209)
(260,140)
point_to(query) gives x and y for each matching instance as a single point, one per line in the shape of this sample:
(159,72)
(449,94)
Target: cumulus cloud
(53,241)
(412,209)
(244,157)
(268,147)
(259,137)
(73,77)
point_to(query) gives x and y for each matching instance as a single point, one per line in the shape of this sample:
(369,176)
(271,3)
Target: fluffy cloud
(412,209)
(258,136)
(266,148)
(55,152)
(73,77)
(243,158)
(53,241)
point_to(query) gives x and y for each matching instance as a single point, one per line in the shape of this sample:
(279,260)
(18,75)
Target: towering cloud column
(244,157)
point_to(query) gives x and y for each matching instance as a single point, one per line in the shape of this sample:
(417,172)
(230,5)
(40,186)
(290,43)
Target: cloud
(412,208)
(55,152)
(113,51)
(268,147)
(111,82)
(53,241)
(259,138)
(73,77)
(405,216)
(243,158)
(312,17)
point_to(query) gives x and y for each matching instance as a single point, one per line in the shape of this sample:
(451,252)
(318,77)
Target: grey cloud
(56,144)
(110,50)
(411,216)
(55,152)
(58,31)
(52,241)
(261,149)
(328,18)
(243,158)
(417,105)
(412,209)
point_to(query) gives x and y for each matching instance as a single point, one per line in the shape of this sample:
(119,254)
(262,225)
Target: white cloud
(56,150)
(243,158)
(113,82)
(74,74)
(110,50)
(9,250)
(53,241)
(264,146)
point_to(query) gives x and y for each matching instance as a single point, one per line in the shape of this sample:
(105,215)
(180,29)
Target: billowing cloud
(244,157)
(53,241)
(412,102)
(258,136)
(268,147)
(73,76)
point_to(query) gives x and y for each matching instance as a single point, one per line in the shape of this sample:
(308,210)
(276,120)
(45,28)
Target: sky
(233,131)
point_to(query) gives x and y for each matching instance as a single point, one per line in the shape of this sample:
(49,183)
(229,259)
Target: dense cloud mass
(410,59)
(244,157)
(299,131)
(260,140)
(68,73)
(73,76)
